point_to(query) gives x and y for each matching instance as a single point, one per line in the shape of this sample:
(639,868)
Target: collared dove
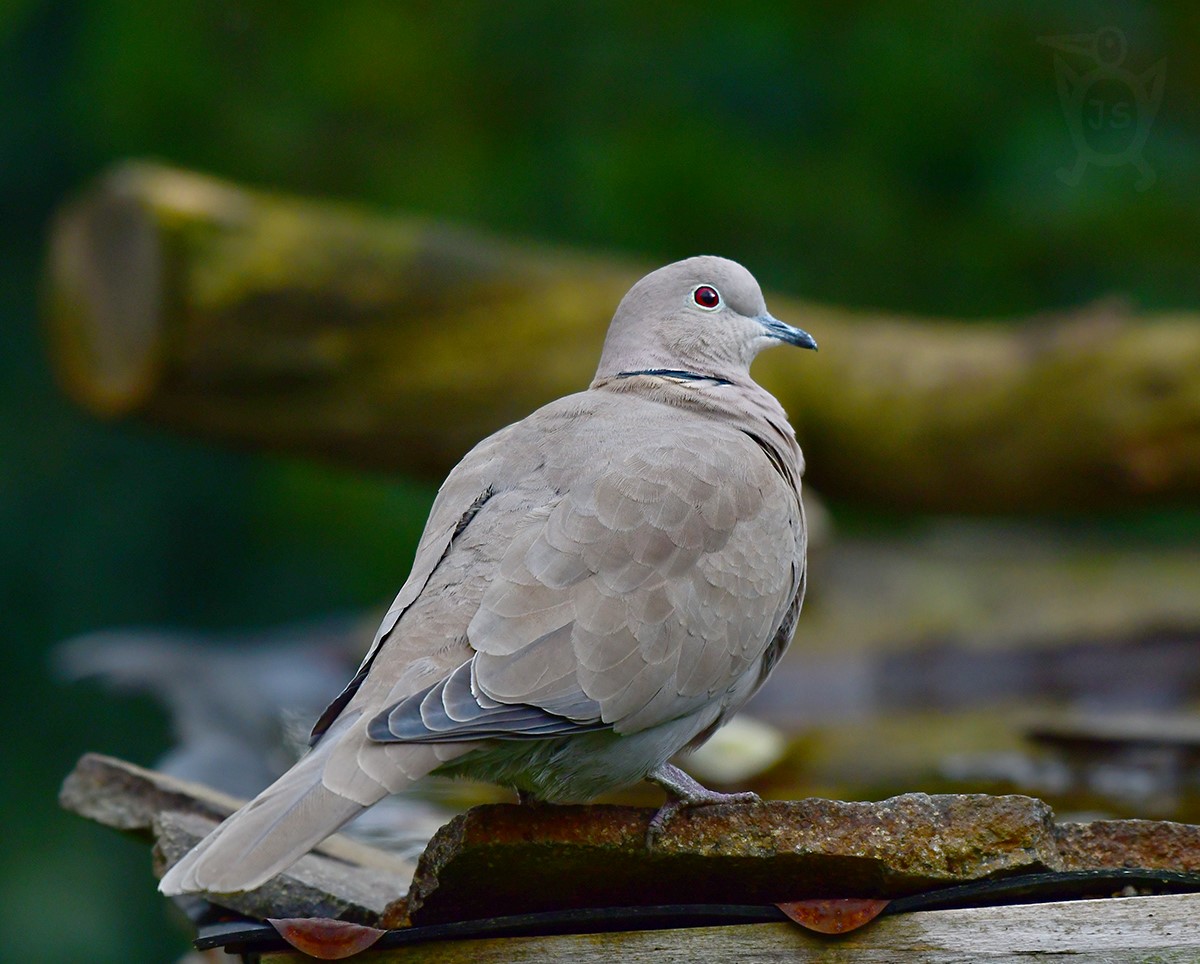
(599,586)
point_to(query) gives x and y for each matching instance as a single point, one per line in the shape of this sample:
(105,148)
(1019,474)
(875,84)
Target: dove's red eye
(706,296)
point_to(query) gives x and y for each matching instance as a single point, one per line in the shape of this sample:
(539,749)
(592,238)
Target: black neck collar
(678,374)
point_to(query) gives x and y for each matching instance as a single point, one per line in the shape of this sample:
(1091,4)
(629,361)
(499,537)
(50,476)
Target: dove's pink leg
(684,792)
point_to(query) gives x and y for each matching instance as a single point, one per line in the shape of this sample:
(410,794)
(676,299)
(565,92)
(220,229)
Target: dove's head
(704,315)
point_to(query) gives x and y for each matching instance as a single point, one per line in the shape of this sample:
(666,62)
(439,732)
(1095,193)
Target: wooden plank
(1151,929)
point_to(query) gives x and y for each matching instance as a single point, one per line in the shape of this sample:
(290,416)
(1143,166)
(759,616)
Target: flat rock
(315,886)
(129,798)
(506,859)
(1148,844)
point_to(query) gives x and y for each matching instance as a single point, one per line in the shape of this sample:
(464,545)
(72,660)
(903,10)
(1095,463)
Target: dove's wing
(642,572)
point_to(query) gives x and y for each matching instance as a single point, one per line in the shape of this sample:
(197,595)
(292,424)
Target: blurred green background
(897,155)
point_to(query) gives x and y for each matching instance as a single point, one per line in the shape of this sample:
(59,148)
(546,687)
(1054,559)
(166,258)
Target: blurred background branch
(281,324)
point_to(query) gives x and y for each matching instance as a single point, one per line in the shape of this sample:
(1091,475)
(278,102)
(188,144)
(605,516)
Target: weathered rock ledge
(507,859)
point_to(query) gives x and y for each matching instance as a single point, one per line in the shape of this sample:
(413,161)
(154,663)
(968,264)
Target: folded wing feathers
(583,626)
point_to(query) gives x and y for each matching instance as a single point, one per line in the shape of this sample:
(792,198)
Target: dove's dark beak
(785,332)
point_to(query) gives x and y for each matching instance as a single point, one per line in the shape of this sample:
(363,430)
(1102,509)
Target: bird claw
(684,793)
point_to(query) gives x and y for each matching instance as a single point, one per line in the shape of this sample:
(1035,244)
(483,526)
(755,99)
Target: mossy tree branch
(395,343)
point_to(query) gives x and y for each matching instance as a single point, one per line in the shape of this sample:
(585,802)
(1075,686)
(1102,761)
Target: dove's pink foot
(683,792)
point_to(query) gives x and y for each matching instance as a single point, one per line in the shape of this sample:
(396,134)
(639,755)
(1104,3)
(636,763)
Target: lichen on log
(394,342)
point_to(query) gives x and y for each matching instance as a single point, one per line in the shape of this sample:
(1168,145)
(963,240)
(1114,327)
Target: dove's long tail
(268,834)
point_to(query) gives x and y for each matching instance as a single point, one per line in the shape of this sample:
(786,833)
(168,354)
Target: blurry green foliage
(899,155)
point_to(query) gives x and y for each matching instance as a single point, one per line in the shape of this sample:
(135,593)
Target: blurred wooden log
(308,328)
(395,343)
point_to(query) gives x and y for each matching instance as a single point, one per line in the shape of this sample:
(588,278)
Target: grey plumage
(599,586)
